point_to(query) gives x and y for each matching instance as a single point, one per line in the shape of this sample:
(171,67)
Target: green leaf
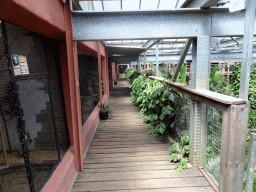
(179,169)
(213,73)
(184,163)
(173,146)
(183,74)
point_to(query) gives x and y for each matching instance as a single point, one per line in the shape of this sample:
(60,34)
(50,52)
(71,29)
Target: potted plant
(115,82)
(104,111)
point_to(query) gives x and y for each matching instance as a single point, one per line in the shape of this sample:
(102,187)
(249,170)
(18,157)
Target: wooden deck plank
(131,175)
(142,184)
(122,157)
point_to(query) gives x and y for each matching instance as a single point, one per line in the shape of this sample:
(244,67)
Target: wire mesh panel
(32,114)
(204,125)
(214,132)
(182,117)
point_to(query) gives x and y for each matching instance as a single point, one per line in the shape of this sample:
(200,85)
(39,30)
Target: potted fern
(104,111)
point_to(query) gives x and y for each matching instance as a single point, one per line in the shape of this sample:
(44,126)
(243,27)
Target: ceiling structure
(175,46)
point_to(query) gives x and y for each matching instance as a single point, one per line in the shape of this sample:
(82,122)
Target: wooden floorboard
(122,157)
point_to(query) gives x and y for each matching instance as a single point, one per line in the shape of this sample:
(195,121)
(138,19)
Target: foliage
(213,73)
(104,108)
(156,101)
(131,75)
(183,74)
(174,146)
(174,157)
(182,167)
(153,67)
(235,81)
(185,144)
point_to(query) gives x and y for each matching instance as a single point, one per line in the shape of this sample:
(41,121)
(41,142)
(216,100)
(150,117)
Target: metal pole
(157,60)
(251,163)
(144,60)
(247,48)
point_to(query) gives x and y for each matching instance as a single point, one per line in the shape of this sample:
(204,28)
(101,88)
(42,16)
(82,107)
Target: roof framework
(110,11)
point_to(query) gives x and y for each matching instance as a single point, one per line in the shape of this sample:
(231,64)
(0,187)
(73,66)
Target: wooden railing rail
(234,131)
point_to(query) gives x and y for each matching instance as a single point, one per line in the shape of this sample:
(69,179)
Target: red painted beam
(40,16)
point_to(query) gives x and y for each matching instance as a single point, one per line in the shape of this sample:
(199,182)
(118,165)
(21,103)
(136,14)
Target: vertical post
(157,60)
(199,80)
(113,72)
(104,75)
(200,66)
(233,143)
(99,71)
(145,61)
(138,64)
(251,163)
(247,48)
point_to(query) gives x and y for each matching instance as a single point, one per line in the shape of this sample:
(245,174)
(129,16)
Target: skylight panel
(167,4)
(149,4)
(97,5)
(131,5)
(112,5)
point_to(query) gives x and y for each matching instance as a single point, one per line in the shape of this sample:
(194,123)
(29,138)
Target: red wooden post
(99,70)
(113,72)
(107,75)
(70,79)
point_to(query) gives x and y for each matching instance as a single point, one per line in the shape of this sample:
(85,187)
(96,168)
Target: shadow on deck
(122,157)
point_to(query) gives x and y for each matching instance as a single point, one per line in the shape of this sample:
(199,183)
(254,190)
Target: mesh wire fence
(214,132)
(31,102)
(182,118)
(204,125)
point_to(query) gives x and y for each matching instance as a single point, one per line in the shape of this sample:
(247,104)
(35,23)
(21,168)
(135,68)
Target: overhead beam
(182,57)
(209,3)
(150,43)
(215,57)
(160,24)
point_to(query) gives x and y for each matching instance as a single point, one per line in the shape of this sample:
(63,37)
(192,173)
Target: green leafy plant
(104,108)
(182,167)
(175,156)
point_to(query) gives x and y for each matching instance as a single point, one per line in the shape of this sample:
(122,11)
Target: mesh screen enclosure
(33,128)
(204,125)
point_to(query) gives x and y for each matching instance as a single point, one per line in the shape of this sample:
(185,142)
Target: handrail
(214,99)
(234,131)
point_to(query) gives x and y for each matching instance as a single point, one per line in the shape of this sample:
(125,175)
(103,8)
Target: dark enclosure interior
(33,128)
(89,84)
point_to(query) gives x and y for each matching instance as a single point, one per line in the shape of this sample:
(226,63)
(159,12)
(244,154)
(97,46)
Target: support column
(138,64)
(145,61)
(99,71)
(157,60)
(200,69)
(105,78)
(113,72)
(247,48)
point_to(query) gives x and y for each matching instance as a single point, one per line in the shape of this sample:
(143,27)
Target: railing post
(199,80)
(233,143)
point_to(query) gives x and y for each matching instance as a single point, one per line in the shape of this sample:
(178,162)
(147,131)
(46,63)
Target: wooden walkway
(122,157)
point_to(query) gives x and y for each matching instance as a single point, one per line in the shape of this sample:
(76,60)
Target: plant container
(115,83)
(103,115)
